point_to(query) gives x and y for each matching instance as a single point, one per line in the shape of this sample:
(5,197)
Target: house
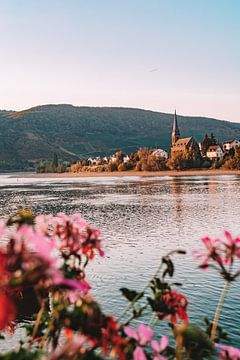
(160,153)
(215,152)
(95,161)
(90,161)
(105,160)
(182,145)
(126,159)
(227,145)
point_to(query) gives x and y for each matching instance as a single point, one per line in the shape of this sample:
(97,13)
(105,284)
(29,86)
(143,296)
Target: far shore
(169,173)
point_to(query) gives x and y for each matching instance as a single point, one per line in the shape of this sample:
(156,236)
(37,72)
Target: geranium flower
(228,352)
(76,236)
(222,254)
(139,354)
(7,311)
(112,341)
(211,246)
(159,348)
(231,248)
(81,285)
(143,334)
(70,349)
(3,229)
(174,305)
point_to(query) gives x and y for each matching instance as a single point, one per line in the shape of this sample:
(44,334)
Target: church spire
(175,129)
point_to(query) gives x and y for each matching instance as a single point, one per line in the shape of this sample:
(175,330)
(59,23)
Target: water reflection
(142,219)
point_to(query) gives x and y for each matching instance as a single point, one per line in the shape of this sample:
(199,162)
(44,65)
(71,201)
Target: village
(184,153)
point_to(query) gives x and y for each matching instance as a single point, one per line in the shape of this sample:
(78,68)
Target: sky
(150,54)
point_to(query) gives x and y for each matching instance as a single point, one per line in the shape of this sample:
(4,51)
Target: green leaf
(131,295)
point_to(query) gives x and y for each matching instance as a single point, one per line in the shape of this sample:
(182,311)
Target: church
(180,145)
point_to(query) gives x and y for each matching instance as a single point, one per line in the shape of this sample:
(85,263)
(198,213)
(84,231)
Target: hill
(75,132)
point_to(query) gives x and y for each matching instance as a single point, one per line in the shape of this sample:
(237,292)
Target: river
(141,219)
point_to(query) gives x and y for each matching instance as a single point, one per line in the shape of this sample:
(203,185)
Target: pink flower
(76,236)
(211,246)
(142,335)
(222,254)
(231,248)
(82,285)
(70,349)
(43,224)
(228,352)
(159,348)
(3,229)
(35,245)
(139,354)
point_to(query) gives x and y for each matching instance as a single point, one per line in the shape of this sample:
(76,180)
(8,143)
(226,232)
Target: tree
(206,142)
(205,145)
(233,163)
(55,160)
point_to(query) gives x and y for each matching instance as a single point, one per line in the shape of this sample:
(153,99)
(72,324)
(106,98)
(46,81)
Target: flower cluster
(47,255)
(76,236)
(176,307)
(220,254)
(142,337)
(228,352)
(32,256)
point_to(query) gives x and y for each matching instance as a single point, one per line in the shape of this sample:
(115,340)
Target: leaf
(131,295)
(182,252)
(203,266)
(170,267)
(177,284)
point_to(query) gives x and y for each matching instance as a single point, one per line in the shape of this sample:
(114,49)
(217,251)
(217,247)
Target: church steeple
(175,129)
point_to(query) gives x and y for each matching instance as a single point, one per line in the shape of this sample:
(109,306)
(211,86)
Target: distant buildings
(185,148)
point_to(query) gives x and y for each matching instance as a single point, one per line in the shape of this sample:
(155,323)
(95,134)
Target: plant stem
(219,309)
(130,305)
(153,320)
(137,296)
(39,315)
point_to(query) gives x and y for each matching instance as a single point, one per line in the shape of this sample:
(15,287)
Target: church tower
(175,129)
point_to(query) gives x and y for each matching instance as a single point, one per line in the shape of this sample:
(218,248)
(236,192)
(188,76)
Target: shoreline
(132,173)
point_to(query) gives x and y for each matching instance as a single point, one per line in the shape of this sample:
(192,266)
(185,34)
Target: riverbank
(169,173)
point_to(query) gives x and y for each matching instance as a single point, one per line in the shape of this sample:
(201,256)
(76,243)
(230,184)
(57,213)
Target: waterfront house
(231,144)
(160,153)
(215,152)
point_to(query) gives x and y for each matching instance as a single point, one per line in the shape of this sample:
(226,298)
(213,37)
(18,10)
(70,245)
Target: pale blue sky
(152,54)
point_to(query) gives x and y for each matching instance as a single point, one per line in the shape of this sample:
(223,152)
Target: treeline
(141,160)
(145,160)
(16,165)
(52,166)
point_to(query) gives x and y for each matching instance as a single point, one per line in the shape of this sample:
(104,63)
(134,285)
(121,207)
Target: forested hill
(86,131)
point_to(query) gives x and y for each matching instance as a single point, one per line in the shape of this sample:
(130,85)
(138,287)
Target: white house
(214,152)
(159,153)
(95,161)
(90,161)
(105,160)
(126,159)
(227,145)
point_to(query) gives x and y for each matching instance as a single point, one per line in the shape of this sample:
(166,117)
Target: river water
(141,219)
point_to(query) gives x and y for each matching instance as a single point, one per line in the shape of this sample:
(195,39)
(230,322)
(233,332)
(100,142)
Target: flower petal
(130,332)
(145,334)
(139,354)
